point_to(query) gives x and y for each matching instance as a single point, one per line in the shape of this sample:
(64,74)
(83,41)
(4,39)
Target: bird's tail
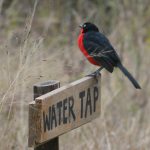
(130,77)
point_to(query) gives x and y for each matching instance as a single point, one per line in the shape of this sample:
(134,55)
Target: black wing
(99,47)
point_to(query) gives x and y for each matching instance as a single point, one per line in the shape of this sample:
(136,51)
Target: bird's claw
(95,74)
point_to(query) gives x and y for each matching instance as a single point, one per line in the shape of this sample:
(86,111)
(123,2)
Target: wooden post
(40,89)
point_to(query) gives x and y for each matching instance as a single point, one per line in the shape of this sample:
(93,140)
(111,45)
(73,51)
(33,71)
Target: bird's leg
(95,73)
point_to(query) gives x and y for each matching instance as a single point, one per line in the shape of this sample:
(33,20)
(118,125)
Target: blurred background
(38,42)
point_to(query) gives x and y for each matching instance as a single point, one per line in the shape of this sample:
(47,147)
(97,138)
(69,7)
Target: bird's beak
(80,26)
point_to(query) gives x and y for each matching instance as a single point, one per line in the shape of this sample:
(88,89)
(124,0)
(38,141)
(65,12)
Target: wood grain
(67,108)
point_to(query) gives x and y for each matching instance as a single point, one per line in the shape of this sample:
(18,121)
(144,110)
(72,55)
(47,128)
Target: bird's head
(87,27)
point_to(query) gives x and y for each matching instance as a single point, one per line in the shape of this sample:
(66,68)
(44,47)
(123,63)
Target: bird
(99,51)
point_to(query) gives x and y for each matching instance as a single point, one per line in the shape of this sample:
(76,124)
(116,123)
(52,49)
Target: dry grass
(42,46)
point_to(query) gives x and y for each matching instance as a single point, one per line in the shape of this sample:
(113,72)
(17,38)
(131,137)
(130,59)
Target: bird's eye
(84,25)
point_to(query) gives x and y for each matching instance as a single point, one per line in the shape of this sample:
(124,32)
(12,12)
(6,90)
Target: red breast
(84,51)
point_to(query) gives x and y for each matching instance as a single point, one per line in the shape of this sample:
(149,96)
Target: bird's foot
(95,74)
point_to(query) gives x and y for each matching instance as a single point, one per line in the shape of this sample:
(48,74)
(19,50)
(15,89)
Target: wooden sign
(63,109)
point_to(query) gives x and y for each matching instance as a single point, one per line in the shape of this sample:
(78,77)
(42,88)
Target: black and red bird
(99,51)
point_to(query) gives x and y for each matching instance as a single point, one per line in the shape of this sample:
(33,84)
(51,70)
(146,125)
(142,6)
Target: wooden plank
(68,107)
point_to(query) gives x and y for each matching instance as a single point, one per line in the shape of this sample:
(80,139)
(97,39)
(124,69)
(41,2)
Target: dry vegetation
(38,43)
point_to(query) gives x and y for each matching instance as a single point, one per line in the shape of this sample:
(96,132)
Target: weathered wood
(45,87)
(67,108)
(35,114)
(34,123)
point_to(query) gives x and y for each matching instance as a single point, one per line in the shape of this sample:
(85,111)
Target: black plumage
(100,49)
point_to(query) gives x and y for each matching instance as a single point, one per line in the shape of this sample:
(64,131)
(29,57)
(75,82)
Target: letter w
(46,120)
